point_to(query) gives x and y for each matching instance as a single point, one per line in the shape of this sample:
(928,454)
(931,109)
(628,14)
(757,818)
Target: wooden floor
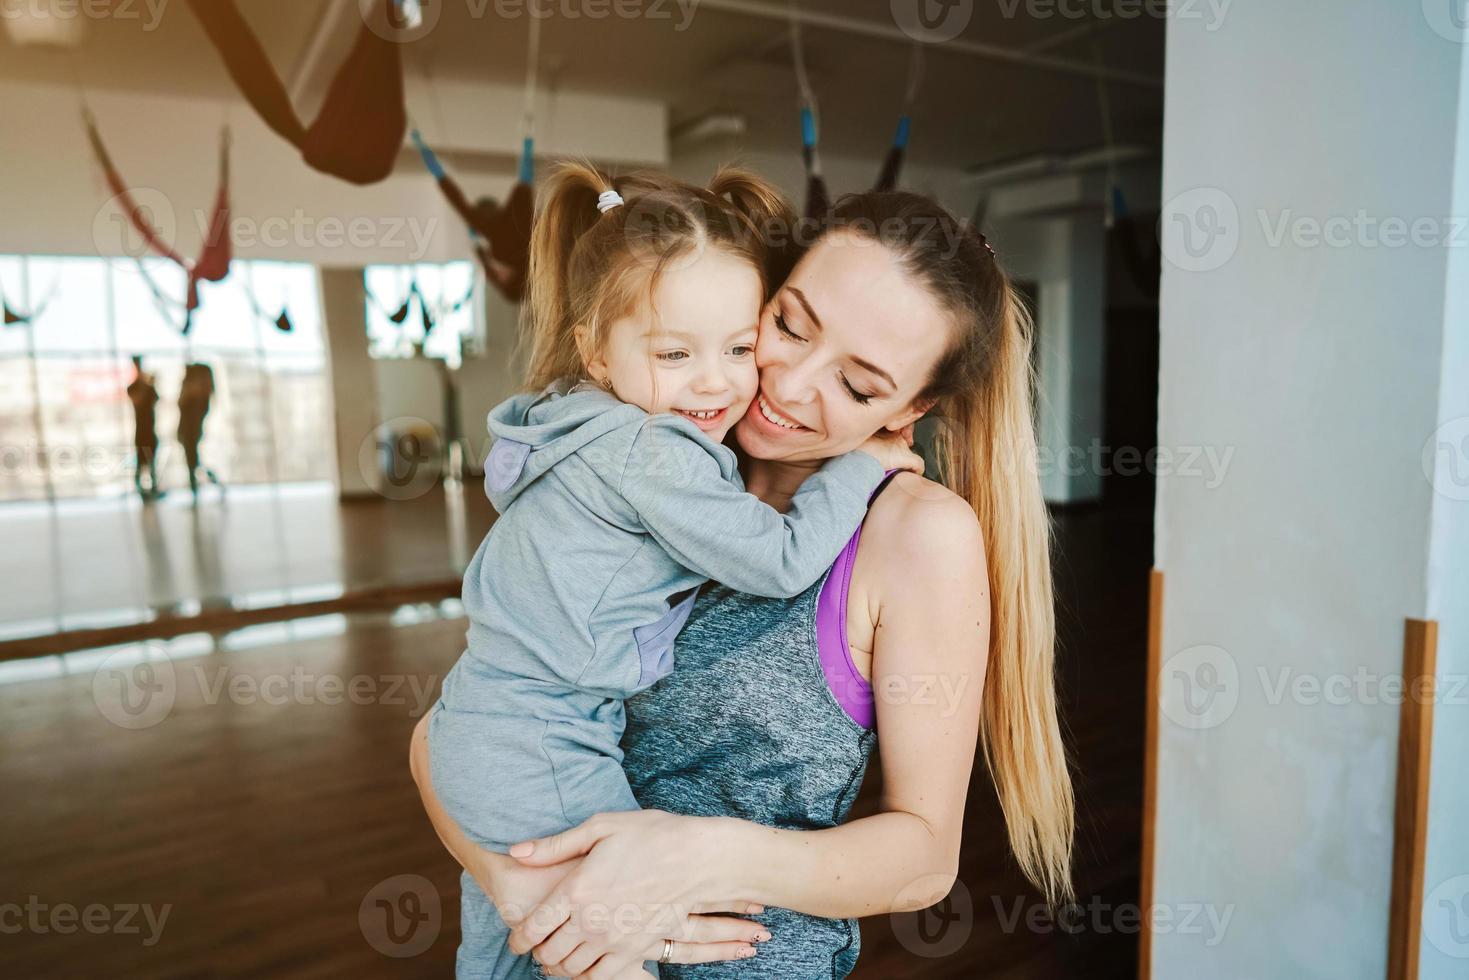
(253,788)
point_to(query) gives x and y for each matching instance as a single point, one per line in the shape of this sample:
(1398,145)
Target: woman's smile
(767,418)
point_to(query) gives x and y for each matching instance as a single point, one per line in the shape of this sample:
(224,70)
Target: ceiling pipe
(891,32)
(1053,164)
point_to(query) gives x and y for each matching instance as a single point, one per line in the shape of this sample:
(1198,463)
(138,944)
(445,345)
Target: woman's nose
(792,382)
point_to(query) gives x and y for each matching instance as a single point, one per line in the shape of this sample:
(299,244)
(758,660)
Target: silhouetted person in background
(144,396)
(194,395)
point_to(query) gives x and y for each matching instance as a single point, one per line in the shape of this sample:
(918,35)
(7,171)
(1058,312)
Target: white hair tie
(608,200)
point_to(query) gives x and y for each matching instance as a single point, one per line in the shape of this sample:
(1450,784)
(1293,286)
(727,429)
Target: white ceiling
(972,109)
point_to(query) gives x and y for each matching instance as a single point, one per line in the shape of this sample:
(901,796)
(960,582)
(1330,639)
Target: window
(447,291)
(66,423)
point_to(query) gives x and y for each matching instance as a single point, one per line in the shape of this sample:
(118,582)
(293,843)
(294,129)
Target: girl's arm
(514,894)
(931,594)
(687,502)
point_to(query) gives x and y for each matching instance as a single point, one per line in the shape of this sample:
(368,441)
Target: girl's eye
(673,355)
(740,350)
(860,397)
(780,323)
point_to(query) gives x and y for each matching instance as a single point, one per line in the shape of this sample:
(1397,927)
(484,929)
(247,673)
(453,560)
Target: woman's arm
(517,889)
(514,894)
(930,598)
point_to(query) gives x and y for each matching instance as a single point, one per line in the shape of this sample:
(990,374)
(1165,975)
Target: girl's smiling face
(691,351)
(845,347)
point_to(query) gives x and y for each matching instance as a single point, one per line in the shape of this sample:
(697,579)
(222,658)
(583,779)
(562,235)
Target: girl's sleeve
(713,527)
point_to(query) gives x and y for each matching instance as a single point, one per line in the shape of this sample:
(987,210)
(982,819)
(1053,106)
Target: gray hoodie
(607,513)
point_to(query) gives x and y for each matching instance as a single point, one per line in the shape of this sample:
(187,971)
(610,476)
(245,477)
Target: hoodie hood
(534,431)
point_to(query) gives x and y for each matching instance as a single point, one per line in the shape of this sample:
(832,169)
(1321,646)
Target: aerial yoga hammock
(359,131)
(16,319)
(213,263)
(818,199)
(501,231)
(430,317)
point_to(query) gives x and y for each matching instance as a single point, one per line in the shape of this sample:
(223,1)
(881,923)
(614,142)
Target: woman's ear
(915,411)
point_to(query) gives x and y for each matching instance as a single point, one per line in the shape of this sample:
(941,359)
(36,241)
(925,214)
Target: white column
(353,380)
(1445,948)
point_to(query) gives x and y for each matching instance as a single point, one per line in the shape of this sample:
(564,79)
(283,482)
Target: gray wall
(1316,365)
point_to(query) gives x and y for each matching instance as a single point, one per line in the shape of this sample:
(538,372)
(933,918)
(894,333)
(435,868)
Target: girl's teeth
(779,420)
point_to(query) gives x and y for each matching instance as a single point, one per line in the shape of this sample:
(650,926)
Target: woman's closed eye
(860,397)
(784,328)
(672,355)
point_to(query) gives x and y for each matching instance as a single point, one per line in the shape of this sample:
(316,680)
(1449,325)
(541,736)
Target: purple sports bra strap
(851,690)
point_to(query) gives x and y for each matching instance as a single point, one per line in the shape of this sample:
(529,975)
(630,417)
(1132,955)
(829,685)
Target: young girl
(616,501)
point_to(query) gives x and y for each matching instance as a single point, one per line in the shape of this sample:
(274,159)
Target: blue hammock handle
(430,160)
(527,174)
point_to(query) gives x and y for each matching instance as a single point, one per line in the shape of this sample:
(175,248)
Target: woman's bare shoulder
(919,529)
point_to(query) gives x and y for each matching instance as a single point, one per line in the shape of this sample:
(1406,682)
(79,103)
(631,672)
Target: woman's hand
(647,876)
(893,450)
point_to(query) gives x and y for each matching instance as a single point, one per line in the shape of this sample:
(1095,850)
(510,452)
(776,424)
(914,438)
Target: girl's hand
(647,876)
(893,451)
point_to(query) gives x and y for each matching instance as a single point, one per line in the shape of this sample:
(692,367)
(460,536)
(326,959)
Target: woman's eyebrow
(806,305)
(862,363)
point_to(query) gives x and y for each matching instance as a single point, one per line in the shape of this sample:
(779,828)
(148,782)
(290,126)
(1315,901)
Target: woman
(195,393)
(749,755)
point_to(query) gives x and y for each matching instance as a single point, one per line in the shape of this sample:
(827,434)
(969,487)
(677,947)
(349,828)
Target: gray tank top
(749,725)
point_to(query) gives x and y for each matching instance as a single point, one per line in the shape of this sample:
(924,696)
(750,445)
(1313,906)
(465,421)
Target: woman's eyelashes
(860,397)
(780,324)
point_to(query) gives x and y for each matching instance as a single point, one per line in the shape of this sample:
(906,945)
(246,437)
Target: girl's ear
(596,366)
(915,411)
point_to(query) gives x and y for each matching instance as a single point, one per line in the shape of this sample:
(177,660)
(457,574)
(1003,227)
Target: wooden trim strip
(223,620)
(1410,822)
(1150,774)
